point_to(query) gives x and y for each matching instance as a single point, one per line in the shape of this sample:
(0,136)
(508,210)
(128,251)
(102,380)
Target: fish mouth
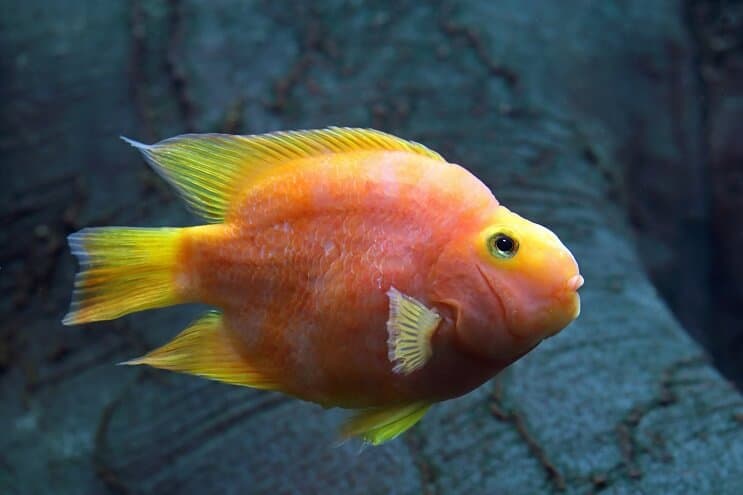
(569,294)
(574,283)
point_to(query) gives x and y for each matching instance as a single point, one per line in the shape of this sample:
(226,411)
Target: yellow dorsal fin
(207,349)
(210,169)
(378,425)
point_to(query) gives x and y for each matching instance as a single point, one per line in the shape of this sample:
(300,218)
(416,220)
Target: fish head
(512,283)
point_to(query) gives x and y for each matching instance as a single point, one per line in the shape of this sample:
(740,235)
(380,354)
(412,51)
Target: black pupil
(504,243)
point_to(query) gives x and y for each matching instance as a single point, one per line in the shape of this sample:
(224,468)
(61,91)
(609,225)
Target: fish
(345,266)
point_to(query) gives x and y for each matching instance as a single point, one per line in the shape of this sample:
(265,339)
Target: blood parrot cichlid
(349,267)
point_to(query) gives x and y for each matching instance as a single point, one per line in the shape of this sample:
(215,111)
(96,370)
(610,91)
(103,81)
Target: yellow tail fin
(122,270)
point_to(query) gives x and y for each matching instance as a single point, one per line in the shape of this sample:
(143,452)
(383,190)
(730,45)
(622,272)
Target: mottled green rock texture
(558,106)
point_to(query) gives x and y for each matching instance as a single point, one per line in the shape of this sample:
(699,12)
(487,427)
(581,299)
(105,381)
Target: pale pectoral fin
(410,327)
(207,349)
(379,425)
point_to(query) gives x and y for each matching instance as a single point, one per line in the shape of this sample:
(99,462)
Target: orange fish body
(364,274)
(302,276)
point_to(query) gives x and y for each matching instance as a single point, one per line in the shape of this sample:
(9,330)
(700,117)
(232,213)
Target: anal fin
(206,349)
(378,425)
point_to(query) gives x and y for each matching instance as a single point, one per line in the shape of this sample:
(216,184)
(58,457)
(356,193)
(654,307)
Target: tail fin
(122,270)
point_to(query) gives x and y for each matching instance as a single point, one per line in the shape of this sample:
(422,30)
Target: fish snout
(566,300)
(574,283)
(571,298)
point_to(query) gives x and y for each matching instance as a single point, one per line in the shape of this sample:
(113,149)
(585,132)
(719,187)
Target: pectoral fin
(207,349)
(379,425)
(410,327)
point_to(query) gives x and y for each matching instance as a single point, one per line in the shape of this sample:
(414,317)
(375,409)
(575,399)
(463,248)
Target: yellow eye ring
(502,245)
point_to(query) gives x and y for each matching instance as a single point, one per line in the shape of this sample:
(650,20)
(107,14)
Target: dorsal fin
(210,169)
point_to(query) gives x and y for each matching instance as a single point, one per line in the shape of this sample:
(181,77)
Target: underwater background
(618,124)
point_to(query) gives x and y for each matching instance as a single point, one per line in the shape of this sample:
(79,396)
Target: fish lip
(575,282)
(498,299)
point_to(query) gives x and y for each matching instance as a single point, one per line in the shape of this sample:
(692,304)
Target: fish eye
(502,245)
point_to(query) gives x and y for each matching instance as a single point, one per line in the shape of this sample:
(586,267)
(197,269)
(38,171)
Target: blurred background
(688,215)
(639,105)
